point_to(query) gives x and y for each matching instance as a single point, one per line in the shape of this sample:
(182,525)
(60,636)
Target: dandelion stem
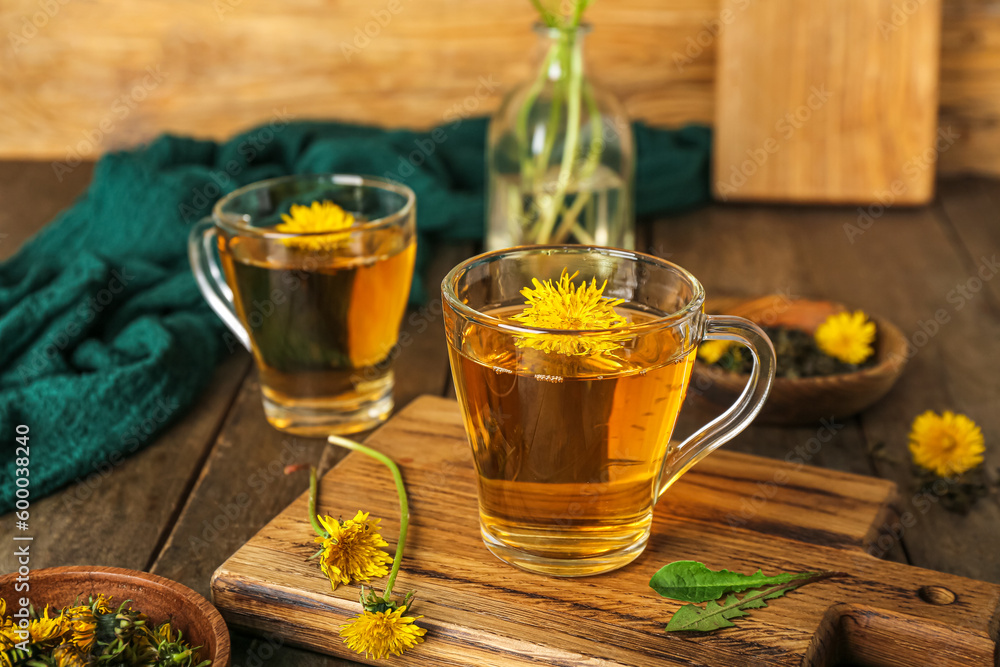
(317,528)
(547,16)
(571,146)
(524,143)
(404,506)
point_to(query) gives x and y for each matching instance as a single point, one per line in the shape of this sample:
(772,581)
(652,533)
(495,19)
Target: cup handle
(211,281)
(681,457)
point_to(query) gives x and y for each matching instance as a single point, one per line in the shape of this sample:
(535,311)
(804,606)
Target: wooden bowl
(805,400)
(158,598)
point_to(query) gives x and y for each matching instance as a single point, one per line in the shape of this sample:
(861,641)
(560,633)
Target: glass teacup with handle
(312,276)
(571,364)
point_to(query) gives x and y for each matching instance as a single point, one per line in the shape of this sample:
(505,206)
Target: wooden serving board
(732,510)
(829,101)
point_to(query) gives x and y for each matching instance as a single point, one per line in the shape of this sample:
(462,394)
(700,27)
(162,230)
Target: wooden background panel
(79,77)
(225,64)
(970,85)
(853,116)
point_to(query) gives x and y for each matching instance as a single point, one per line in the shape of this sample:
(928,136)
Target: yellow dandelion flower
(351,550)
(376,634)
(67,655)
(46,629)
(563,305)
(164,633)
(318,217)
(947,444)
(847,337)
(102,605)
(83,626)
(712,350)
(9,636)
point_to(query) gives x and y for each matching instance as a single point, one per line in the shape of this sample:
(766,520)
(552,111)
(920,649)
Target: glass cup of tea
(319,310)
(570,425)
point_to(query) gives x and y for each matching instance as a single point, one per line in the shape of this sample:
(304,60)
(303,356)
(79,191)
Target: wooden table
(184,504)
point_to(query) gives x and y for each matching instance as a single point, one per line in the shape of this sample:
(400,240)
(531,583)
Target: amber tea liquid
(568,449)
(322,324)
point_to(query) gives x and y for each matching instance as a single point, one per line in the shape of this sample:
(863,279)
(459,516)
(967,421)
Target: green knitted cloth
(105,337)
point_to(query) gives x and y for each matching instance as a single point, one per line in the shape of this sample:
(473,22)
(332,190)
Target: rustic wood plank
(903,265)
(971,207)
(948,371)
(970,88)
(270,649)
(243,486)
(32,196)
(218,67)
(479,611)
(417,69)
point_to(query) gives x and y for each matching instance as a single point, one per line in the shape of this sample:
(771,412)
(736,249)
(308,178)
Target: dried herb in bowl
(844,343)
(94,633)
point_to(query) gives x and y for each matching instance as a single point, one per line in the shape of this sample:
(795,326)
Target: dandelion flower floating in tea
(318,217)
(847,337)
(947,445)
(564,305)
(376,634)
(351,549)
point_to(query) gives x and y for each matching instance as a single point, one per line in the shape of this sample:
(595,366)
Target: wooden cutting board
(732,510)
(830,101)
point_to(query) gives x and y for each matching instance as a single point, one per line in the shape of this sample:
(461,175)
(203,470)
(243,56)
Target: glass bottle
(560,156)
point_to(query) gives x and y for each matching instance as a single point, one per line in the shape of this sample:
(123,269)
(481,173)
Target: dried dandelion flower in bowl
(833,362)
(82,615)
